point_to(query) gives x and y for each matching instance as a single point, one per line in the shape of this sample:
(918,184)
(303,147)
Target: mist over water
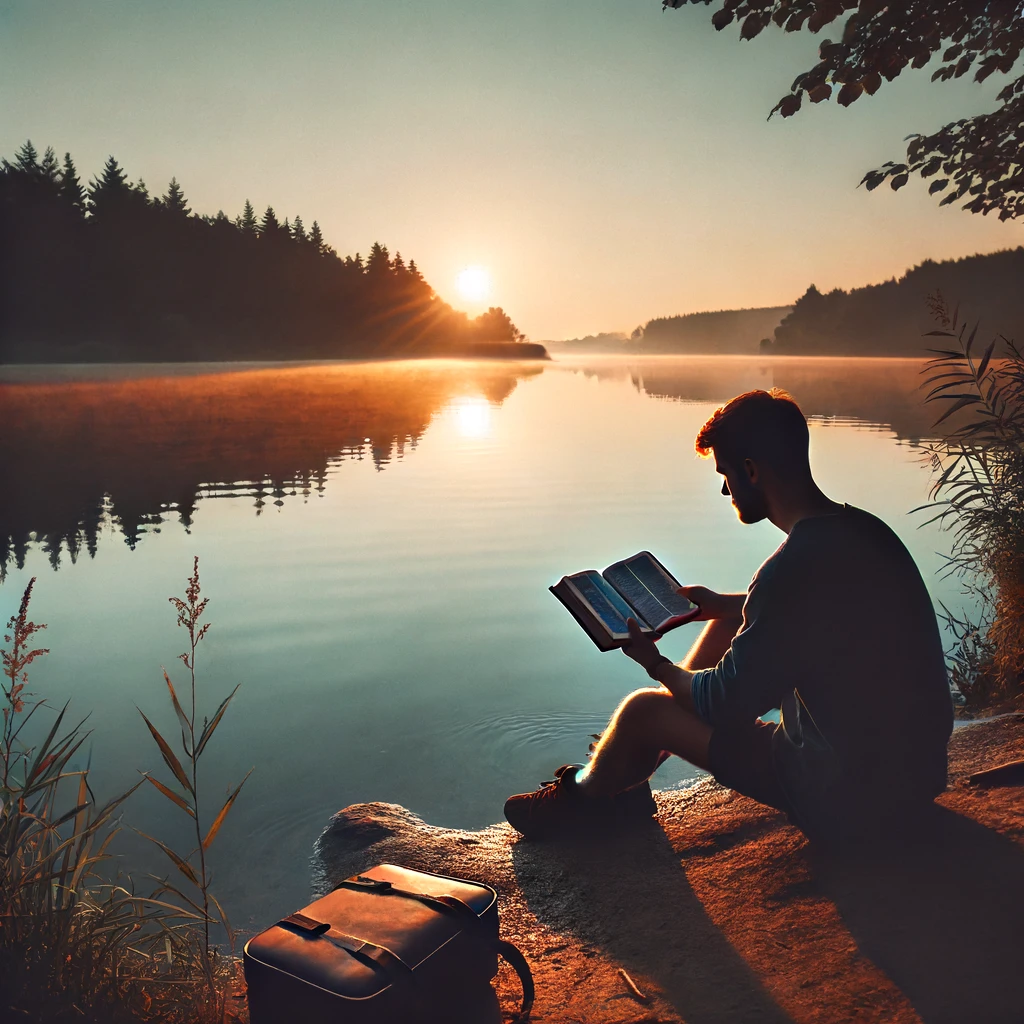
(376,540)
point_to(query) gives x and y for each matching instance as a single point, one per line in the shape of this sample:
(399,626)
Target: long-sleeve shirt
(840,613)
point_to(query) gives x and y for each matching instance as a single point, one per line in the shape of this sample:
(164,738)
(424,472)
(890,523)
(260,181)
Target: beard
(751,506)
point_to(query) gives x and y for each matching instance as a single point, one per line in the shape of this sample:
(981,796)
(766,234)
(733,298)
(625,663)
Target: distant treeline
(723,332)
(109,272)
(726,332)
(890,319)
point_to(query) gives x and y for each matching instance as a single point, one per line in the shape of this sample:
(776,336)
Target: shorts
(741,759)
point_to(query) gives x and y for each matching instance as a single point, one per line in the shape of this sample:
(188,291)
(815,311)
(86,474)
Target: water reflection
(80,448)
(877,392)
(78,453)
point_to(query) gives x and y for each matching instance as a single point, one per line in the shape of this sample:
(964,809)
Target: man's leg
(649,725)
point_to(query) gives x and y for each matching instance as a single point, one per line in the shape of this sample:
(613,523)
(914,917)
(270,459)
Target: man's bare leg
(649,725)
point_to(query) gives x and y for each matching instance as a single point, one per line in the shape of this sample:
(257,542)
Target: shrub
(978,494)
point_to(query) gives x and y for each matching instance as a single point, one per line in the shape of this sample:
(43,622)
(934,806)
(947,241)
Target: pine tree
(26,159)
(140,190)
(49,168)
(269,226)
(247,221)
(71,190)
(378,263)
(316,238)
(174,201)
(398,267)
(110,191)
(298,230)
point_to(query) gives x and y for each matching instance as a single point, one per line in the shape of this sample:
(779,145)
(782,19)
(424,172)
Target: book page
(607,606)
(647,586)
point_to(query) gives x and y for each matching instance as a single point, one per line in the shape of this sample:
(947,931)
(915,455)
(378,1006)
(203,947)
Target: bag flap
(476,895)
(408,928)
(316,961)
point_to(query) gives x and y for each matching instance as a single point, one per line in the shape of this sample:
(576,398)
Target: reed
(978,494)
(76,942)
(194,895)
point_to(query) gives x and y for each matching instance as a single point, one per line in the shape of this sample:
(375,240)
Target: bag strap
(448,904)
(380,956)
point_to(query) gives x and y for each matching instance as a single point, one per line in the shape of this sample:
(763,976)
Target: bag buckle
(371,884)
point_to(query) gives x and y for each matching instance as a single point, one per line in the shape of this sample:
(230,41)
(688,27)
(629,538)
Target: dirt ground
(725,913)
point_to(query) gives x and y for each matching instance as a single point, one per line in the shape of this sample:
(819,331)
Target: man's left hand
(641,647)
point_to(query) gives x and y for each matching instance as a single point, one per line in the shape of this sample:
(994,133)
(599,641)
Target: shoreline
(724,912)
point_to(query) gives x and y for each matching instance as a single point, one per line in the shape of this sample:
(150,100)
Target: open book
(639,587)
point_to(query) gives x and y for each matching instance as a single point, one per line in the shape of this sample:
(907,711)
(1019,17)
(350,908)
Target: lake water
(376,540)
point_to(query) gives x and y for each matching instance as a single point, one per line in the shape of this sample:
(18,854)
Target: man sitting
(836,628)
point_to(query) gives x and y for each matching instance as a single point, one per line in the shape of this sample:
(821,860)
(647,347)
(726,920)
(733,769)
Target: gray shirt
(840,613)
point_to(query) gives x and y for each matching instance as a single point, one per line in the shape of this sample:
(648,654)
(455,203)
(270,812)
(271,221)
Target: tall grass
(184,792)
(978,494)
(76,943)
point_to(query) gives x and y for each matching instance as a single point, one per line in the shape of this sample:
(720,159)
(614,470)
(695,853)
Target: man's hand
(711,605)
(641,647)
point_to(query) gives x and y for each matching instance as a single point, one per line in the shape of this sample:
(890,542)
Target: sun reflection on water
(472,416)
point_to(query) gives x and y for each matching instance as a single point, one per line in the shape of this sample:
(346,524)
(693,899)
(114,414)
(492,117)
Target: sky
(605,161)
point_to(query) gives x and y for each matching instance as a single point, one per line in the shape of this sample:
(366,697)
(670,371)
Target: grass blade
(214,722)
(186,725)
(172,762)
(170,794)
(219,820)
(182,865)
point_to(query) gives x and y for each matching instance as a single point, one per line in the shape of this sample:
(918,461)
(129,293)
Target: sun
(473,284)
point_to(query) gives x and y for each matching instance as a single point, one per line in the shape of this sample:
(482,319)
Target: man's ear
(750,468)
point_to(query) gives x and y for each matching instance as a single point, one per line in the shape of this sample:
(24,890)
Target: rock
(724,912)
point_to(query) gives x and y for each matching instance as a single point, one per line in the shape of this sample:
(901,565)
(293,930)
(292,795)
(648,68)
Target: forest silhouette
(892,318)
(107,272)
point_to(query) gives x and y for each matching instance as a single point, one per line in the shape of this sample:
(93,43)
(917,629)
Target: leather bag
(389,945)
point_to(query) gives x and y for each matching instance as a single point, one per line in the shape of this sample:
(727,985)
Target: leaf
(172,762)
(965,400)
(937,186)
(45,746)
(186,725)
(83,802)
(899,181)
(970,340)
(872,82)
(849,92)
(182,865)
(721,18)
(214,722)
(985,358)
(170,794)
(219,820)
(752,24)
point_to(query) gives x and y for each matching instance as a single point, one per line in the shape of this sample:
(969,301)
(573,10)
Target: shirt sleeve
(750,678)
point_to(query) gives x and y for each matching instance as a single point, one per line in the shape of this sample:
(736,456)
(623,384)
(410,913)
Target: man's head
(759,441)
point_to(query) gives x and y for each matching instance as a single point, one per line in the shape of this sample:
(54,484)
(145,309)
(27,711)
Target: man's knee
(642,708)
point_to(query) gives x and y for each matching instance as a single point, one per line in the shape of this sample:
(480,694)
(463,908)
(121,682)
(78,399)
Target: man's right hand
(712,605)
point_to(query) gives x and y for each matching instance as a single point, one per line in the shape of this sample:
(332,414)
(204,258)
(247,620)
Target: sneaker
(559,807)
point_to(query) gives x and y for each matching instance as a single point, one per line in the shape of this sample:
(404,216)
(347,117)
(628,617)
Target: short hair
(757,425)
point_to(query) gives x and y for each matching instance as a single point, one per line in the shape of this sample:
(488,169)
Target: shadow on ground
(939,914)
(630,896)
